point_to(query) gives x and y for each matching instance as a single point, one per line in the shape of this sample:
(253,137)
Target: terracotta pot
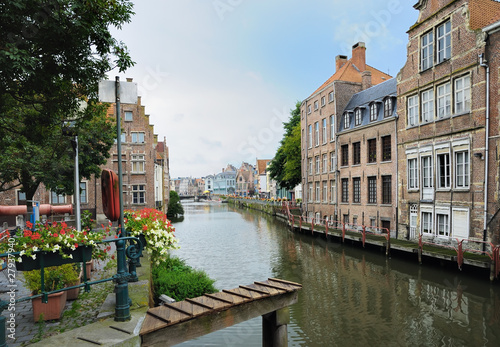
(88,267)
(53,309)
(72,294)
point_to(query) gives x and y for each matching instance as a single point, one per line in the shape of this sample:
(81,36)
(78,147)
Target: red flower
(76,245)
(145,228)
(56,235)
(29,224)
(72,236)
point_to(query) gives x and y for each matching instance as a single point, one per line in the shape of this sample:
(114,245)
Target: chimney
(129,79)
(340,60)
(359,56)
(366,79)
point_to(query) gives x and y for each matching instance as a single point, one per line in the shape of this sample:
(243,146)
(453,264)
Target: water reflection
(350,296)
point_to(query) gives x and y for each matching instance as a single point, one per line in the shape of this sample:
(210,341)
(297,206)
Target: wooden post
(274,328)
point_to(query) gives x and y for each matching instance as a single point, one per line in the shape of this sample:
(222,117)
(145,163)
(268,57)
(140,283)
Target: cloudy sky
(218,77)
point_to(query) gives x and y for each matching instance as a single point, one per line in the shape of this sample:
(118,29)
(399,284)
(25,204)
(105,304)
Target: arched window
(357,116)
(388,107)
(373,112)
(347,123)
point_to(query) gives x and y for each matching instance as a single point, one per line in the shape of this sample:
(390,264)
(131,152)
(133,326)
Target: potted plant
(72,294)
(57,243)
(155,231)
(55,278)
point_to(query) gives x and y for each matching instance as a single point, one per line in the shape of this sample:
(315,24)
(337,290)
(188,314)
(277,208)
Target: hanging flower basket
(79,255)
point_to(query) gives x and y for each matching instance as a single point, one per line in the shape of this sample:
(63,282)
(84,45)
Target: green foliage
(87,222)
(53,53)
(55,278)
(285,168)
(174,205)
(179,281)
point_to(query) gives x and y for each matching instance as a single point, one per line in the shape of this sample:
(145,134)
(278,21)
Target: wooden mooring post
(174,323)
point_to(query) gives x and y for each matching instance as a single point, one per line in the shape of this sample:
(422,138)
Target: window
(315,105)
(388,107)
(372,150)
(345,155)
(427,50)
(83,193)
(356,190)
(128,116)
(138,163)
(56,199)
(372,190)
(386,148)
(310,143)
(428,105)
(325,163)
(356,153)
(413,110)
(316,185)
(332,191)
(308,109)
(332,161)
(462,169)
(443,38)
(21,198)
(462,94)
(347,120)
(443,224)
(330,97)
(123,138)
(357,116)
(310,197)
(323,131)
(444,100)
(427,223)
(412,174)
(386,190)
(325,191)
(345,190)
(443,171)
(138,137)
(310,166)
(332,128)
(317,164)
(323,101)
(373,112)
(316,134)
(427,172)
(138,194)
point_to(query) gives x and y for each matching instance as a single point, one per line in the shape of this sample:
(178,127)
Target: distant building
(261,185)
(209,183)
(225,181)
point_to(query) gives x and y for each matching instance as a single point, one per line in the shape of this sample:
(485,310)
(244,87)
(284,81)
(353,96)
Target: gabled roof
(261,165)
(483,13)
(350,73)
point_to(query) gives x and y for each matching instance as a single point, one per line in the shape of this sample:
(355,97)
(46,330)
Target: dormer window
(373,112)
(388,107)
(347,121)
(357,117)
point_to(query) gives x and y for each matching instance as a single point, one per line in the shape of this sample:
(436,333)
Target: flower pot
(81,254)
(72,294)
(52,309)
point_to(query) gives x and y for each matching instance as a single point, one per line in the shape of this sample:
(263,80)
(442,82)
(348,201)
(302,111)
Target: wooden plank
(199,303)
(237,293)
(253,288)
(281,288)
(285,282)
(190,329)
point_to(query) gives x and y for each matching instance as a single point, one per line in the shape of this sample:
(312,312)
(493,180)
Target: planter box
(52,309)
(72,294)
(81,254)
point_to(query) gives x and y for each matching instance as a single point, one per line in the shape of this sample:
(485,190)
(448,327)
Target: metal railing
(123,275)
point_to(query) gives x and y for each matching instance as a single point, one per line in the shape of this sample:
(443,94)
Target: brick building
(447,147)
(367,159)
(319,121)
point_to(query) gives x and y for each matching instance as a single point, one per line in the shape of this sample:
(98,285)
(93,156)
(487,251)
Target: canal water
(350,296)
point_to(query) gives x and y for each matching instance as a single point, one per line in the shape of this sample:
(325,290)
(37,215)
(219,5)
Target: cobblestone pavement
(85,309)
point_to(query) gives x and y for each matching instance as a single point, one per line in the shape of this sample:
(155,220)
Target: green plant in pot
(55,278)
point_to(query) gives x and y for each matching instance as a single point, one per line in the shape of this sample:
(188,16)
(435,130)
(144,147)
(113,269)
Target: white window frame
(316,133)
(332,192)
(308,109)
(137,135)
(310,137)
(324,131)
(310,166)
(462,170)
(332,128)
(325,191)
(317,164)
(57,199)
(128,116)
(444,100)
(447,166)
(427,171)
(442,223)
(412,107)
(317,192)
(84,193)
(323,101)
(347,121)
(427,105)
(330,97)
(462,94)
(426,221)
(316,105)
(332,161)
(413,177)
(443,42)
(310,197)
(138,162)
(427,50)
(373,112)
(388,108)
(138,194)
(357,117)
(325,163)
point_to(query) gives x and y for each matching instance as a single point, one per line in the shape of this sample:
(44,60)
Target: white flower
(33,256)
(35,248)
(19,260)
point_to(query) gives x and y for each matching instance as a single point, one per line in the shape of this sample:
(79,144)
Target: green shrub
(55,278)
(179,281)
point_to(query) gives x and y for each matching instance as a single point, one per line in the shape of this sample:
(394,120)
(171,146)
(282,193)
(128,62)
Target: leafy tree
(53,53)
(174,205)
(285,168)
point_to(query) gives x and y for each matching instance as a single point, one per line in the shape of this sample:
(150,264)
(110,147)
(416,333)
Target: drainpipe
(305,188)
(397,171)
(484,63)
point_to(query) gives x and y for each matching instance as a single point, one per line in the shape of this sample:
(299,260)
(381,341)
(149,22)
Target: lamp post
(69,129)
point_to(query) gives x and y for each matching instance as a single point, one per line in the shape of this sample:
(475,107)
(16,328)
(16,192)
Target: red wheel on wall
(110,195)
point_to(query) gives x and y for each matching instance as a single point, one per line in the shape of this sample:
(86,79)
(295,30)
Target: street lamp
(69,129)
